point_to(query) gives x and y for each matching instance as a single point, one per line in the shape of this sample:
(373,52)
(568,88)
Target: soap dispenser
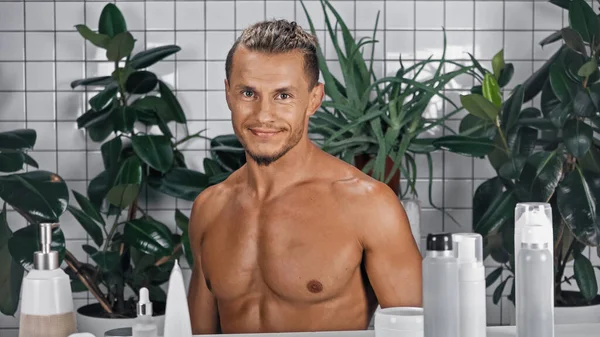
(46,298)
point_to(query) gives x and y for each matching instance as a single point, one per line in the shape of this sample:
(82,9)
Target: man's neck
(268,181)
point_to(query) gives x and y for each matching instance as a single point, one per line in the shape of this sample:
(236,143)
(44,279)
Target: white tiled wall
(41,53)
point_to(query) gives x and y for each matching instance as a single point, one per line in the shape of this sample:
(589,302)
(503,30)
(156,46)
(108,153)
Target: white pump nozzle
(468,247)
(144,307)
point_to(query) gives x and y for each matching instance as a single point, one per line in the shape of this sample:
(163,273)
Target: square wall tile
(459,15)
(378,54)
(429,44)
(195,161)
(41,106)
(70,47)
(166,217)
(218,44)
(518,15)
(68,224)
(523,69)
(487,44)
(518,45)
(92,14)
(69,105)
(190,15)
(69,14)
(422,187)
(191,75)
(13,46)
(195,143)
(281,10)
(193,104)
(367,14)
(67,72)
(95,165)
(431,220)
(487,15)
(160,15)
(39,47)
(483,169)
(215,75)
(458,44)
(248,13)
(70,137)
(216,128)
(399,43)
(40,76)
(158,39)
(430,15)
(192,45)
(547,16)
(13,75)
(45,159)
(493,312)
(12,16)
(315,11)
(458,221)
(545,52)
(133,12)
(400,15)
(220,15)
(39,16)
(345,10)
(46,135)
(457,166)
(13,106)
(217,106)
(165,71)
(458,193)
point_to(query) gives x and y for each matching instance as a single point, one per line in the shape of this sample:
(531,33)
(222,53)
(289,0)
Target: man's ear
(316,98)
(227,92)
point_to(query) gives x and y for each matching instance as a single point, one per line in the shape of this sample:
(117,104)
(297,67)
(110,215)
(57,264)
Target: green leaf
(561,3)
(512,169)
(167,95)
(100,185)
(585,277)
(123,118)
(88,208)
(498,63)
(493,276)
(149,57)
(534,84)
(154,104)
(88,224)
(498,155)
(506,75)
(540,176)
(228,151)
(500,210)
(499,290)
(111,22)
(30,161)
(141,82)
(11,273)
(484,196)
(180,182)
(477,147)
(491,90)
(556,36)
(41,195)
(573,40)
(588,68)
(562,86)
(97,39)
(149,236)
(211,167)
(99,101)
(18,139)
(582,103)
(591,160)
(577,137)
(181,220)
(154,150)
(512,107)
(577,200)
(93,117)
(583,20)
(111,151)
(93,81)
(11,162)
(127,183)
(477,65)
(120,46)
(479,106)
(187,250)
(24,243)
(108,261)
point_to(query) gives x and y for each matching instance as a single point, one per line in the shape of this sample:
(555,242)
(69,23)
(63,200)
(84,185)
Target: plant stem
(194,135)
(75,265)
(113,229)
(561,267)
(165,259)
(502,136)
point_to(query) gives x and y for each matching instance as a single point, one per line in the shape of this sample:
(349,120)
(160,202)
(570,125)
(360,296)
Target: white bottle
(468,249)
(440,288)
(177,314)
(46,298)
(144,325)
(535,285)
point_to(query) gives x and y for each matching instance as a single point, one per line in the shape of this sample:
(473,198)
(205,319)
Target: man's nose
(265,112)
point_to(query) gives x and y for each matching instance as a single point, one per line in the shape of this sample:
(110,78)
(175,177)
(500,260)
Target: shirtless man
(296,239)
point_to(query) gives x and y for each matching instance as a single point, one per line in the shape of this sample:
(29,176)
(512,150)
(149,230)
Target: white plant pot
(98,326)
(412,207)
(567,315)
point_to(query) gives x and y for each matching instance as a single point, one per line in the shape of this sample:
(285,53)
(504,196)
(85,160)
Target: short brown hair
(279,36)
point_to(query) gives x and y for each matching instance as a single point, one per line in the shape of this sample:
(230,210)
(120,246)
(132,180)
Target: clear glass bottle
(144,325)
(535,285)
(440,288)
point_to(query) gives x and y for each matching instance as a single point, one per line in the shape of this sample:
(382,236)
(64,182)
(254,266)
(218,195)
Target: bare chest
(299,252)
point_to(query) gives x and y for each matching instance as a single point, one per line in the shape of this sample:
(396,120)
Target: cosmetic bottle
(144,325)
(46,298)
(177,314)
(440,285)
(535,285)
(468,249)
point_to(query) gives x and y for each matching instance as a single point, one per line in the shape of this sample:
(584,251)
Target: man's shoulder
(212,199)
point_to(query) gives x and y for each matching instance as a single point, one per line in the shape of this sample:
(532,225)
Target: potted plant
(548,154)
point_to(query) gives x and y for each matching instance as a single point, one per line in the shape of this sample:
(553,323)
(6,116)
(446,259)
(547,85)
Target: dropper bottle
(144,323)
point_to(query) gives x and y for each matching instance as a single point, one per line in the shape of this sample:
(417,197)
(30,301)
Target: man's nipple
(314,286)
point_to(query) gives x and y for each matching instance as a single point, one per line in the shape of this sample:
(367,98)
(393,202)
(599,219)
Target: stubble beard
(266,160)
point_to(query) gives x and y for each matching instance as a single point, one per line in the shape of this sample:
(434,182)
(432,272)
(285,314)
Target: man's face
(270,101)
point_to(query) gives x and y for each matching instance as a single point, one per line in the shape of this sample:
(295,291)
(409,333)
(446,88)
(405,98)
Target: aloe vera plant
(379,119)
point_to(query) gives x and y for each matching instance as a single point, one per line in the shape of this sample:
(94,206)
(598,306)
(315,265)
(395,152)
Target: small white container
(399,321)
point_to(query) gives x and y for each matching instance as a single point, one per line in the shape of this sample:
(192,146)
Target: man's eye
(247,93)
(284,96)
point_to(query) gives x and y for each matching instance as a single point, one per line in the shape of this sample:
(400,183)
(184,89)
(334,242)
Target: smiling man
(296,239)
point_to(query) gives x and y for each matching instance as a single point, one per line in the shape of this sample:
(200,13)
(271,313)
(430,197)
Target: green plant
(547,154)
(378,124)
(38,196)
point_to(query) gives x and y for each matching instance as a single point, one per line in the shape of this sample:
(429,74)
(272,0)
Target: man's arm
(392,258)
(204,315)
